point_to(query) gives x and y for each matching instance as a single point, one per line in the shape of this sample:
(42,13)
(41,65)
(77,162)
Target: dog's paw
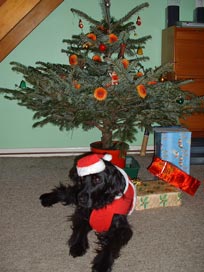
(47,200)
(101,270)
(102,263)
(77,251)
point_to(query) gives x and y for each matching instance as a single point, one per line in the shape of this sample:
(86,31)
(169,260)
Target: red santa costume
(100,220)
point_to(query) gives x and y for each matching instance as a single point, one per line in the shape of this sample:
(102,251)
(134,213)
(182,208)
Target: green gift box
(155,194)
(131,167)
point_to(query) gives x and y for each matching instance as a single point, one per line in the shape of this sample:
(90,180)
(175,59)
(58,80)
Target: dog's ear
(73,174)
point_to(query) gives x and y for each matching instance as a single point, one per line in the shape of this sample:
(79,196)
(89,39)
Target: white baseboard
(51,152)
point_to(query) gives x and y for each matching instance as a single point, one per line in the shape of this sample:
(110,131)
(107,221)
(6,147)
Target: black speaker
(172,15)
(199,15)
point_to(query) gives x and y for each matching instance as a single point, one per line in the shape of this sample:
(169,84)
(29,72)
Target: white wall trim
(51,152)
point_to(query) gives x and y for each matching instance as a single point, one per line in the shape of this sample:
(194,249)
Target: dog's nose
(84,200)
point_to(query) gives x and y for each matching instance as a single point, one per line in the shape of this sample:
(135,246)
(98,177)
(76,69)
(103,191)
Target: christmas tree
(104,85)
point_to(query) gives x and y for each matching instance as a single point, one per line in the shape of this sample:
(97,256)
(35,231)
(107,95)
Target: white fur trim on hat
(90,164)
(107,157)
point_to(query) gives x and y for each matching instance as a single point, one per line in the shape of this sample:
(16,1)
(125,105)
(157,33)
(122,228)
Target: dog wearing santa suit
(103,196)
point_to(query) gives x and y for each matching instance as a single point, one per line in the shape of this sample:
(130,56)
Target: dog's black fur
(87,193)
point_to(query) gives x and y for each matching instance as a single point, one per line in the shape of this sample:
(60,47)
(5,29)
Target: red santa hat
(92,164)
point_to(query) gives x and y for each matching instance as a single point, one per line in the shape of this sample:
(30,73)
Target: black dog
(103,196)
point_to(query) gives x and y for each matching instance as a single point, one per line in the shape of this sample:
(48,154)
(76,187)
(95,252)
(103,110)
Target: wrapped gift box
(131,167)
(155,194)
(173,144)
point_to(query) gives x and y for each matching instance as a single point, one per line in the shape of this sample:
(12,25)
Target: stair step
(197,142)
(196,160)
(197,151)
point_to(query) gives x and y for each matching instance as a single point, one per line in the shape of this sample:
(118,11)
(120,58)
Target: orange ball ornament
(125,63)
(141,90)
(97,58)
(76,84)
(73,59)
(91,36)
(112,38)
(100,93)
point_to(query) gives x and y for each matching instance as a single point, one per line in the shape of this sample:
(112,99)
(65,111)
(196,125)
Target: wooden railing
(18,18)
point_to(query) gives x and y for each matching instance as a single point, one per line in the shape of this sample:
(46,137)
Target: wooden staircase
(18,18)
(197,151)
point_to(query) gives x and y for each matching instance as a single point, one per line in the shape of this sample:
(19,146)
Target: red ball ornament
(138,22)
(80,24)
(102,47)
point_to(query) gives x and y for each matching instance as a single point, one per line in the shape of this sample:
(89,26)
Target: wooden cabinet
(184,47)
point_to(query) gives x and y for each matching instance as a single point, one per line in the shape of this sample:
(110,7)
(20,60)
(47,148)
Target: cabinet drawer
(187,33)
(195,123)
(196,87)
(189,53)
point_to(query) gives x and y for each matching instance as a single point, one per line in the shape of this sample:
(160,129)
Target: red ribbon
(169,173)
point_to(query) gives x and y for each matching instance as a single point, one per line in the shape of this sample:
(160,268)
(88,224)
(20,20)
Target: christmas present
(173,144)
(155,194)
(131,167)
(173,175)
